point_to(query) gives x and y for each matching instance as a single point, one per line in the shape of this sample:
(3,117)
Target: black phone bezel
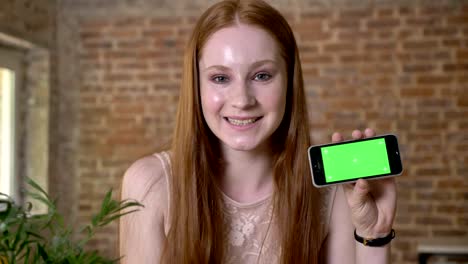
(316,162)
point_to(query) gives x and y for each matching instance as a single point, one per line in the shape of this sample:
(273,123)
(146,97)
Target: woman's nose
(242,96)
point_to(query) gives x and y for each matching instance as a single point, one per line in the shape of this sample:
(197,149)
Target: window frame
(13,59)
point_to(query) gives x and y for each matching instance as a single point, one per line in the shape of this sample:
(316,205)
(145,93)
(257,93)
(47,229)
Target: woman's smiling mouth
(242,121)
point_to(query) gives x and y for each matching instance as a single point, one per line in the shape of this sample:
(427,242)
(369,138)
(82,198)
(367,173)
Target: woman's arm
(141,234)
(340,245)
(367,207)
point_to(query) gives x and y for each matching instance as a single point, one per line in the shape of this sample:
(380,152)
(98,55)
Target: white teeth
(243,122)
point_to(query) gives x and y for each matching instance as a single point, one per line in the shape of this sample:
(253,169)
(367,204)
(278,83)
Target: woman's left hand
(372,203)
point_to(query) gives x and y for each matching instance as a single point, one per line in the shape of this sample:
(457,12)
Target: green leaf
(42,199)
(42,252)
(44,238)
(36,186)
(114,217)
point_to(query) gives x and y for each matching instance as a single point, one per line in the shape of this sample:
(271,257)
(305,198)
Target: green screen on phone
(355,160)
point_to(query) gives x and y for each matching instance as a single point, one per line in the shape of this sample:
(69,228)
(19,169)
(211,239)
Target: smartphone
(348,161)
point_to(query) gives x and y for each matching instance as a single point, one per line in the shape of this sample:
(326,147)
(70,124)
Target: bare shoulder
(144,177)
(142,233)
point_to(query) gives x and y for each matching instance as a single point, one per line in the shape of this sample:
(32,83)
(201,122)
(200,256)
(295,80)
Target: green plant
(44,238)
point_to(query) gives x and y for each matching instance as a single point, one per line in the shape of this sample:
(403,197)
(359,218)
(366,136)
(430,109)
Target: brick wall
(389,65)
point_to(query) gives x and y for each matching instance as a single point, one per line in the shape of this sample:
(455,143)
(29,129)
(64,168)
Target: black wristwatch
(375,242)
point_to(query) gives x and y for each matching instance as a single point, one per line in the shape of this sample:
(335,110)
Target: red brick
(425,136)
(458,20)
(462,147)
(423,172)
(86,35)
(451,183)
(353,24)
(356,58)
(160,76)
(129,33)
(406,10)
(434,220)
(450,233)
(158,33)
(94,24)
(316,59)
(315,15)
(452,43)
(121,98)
(432,125)
(167,87)
(316,36)
(132,44)
(384,12)
(347,36)
(462,101)
(439,31)
(133,22)
(460,67)
(381,69)
(131,109)
(355,13)
(416,68)
(426,146)
(310,72)
(462,54)
(117,77)
(419,44)
(113,55)
(463,125)
(387,34)
(309,26)
(307,48)
(380,46)
(462,221)
(411,233)
(383,23)
(340,47)
(437,10)
(434,79)
(155,54)
(131,66)
(350,104)
(422,21)
(97,44)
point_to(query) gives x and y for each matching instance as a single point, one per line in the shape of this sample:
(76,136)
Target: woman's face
(243,86)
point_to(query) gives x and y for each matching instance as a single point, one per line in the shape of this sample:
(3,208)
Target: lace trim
(235,203)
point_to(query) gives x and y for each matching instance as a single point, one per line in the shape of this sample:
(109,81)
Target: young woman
(235,186)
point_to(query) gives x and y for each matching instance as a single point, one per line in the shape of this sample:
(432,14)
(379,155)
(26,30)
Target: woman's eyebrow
(254,65)
(262,62)
(216,67)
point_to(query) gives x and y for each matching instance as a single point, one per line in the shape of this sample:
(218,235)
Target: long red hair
(196,219)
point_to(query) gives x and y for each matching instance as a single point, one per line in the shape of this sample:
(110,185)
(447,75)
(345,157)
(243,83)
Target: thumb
(358,193)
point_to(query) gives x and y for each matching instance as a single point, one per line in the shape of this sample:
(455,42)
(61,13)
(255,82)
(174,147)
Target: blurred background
(89,86)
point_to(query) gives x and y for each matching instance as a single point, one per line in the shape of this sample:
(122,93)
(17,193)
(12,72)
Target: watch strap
(375,242)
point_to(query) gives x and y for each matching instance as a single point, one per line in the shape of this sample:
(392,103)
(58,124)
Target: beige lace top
(249,232)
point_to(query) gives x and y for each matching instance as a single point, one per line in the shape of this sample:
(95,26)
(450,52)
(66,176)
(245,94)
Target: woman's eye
(262,76)
(220,79)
